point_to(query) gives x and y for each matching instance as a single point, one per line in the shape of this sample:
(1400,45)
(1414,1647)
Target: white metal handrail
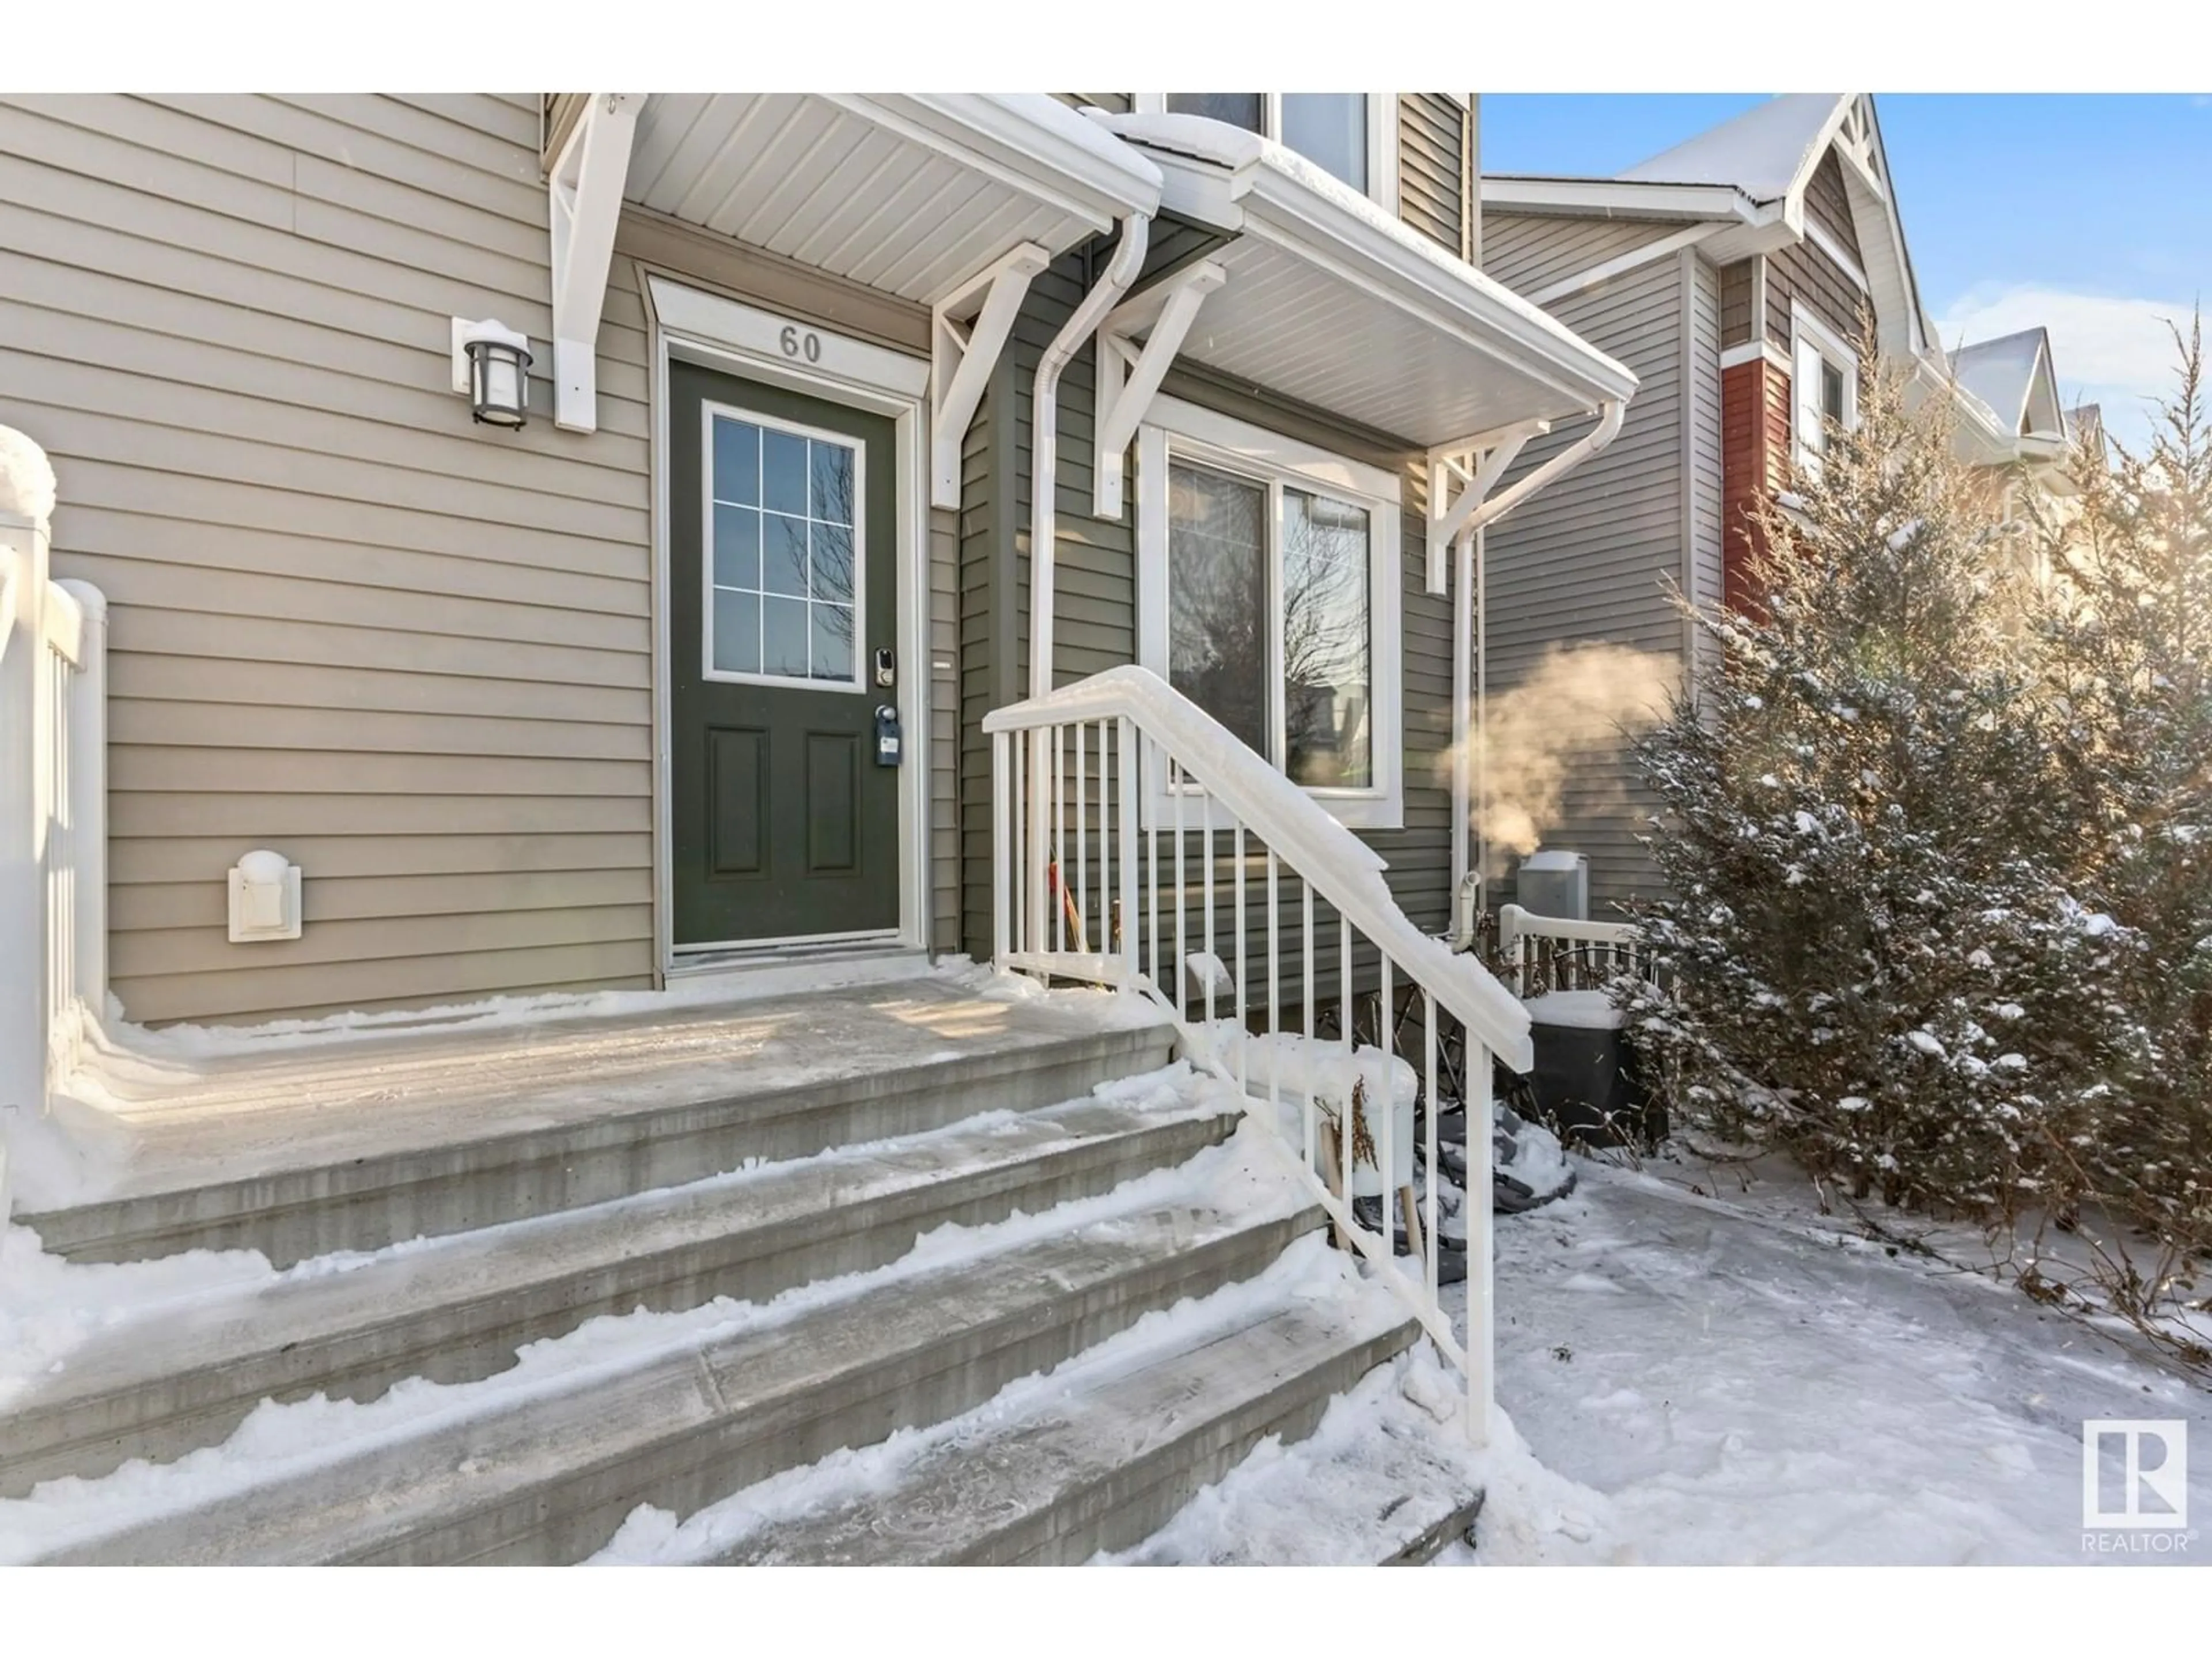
(53,803)
(1558,954)
(1084,781)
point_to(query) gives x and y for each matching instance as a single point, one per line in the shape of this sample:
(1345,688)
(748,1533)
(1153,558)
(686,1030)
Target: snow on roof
(2001,372)
(1762,152)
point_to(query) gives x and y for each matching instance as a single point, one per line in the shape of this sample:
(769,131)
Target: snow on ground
(1744,1382)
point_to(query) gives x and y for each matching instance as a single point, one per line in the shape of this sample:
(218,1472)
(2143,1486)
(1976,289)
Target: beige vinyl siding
(1433,135)
(408,653)
(1529,252)
(412,654)
(1588,559)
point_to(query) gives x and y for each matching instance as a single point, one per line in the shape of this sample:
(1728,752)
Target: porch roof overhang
(1327,299)
(1742,225)
(914,194)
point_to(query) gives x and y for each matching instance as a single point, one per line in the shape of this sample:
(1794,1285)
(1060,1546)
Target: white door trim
(715,333)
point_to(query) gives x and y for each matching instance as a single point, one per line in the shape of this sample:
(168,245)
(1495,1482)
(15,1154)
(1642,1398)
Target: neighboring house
(887,464)
(1732,273)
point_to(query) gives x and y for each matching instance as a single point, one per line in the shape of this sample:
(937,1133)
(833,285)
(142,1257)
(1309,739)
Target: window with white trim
(1268,593)
(1348,135)
(1823,386)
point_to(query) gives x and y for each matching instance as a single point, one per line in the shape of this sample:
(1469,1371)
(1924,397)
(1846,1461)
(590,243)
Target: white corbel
(1461,474)
(968,328)
(586,188)
(1129,374)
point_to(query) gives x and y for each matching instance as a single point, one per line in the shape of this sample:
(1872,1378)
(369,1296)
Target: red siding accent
(1755,459)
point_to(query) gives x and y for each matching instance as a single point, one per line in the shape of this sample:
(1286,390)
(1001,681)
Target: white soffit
(1330,301)
(912,195)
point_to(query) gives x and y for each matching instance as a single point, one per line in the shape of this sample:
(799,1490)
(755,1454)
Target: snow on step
(185,1372)
(1092,1455)
(299,1151)
(1387,1478)
(543,1462)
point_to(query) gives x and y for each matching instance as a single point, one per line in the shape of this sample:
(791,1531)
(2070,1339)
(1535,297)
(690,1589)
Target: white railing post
(1126,748)
(27,724)
(1002,850)
(1481,1273)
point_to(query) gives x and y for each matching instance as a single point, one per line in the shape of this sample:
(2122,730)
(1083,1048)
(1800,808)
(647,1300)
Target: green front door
(782,616)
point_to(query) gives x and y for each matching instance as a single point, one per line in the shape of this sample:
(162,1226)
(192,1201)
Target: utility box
(1552,883)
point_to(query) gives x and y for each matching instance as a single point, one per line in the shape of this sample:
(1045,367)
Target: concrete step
(542,1463)
(1387,1479)
(457,1309)
(1109,1458)
(307,1156)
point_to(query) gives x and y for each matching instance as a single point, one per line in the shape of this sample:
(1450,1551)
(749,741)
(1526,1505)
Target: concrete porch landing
(297,1148)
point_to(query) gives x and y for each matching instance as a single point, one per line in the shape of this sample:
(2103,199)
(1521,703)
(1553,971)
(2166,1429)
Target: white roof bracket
(1129,374)
(962,354)
(586,189)
(1475,463)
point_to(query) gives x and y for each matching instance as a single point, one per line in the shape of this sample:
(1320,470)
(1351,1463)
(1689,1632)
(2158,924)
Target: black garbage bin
(1585,1080)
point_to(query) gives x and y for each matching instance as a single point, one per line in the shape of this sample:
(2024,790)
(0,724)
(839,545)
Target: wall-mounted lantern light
(491,364)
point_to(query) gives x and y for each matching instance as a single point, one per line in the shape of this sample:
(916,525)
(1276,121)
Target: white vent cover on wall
(264,898)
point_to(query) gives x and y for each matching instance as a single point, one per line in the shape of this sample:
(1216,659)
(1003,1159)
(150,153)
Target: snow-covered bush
(1939,908)
(2123,640)
(1873,957)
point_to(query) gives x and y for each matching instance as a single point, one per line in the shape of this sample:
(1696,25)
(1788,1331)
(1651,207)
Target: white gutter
(1467,712)
(1044,453)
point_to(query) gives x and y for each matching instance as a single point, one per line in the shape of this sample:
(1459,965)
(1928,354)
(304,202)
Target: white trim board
(1751,349)
(715,333)
(1689,237)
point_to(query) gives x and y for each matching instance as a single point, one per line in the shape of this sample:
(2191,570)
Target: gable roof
(1768,152)
(1751,172)
(2013,375)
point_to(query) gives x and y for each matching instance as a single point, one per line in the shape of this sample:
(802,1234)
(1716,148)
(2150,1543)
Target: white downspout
(1470,769)
(1044,452)
(1464,737)
(1045,479)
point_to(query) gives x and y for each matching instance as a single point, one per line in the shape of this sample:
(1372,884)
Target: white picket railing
(1555,953)
(1138,843)
(53,803)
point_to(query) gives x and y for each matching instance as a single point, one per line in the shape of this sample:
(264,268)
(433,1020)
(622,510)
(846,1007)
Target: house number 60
(797,344)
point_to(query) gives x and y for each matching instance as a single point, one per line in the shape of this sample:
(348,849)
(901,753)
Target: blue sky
(2091,216)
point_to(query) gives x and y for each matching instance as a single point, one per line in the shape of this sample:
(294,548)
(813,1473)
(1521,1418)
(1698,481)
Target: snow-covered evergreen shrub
(1873,958)
(2124,647)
